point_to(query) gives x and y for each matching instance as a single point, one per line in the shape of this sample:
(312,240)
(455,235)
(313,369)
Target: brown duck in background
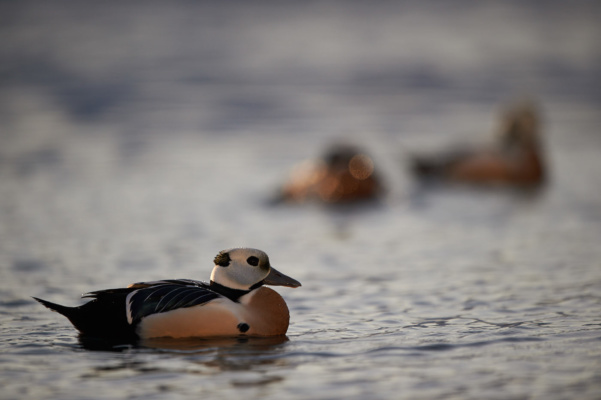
(344,175)
(516,160)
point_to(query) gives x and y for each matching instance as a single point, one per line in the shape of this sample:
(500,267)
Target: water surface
(139,140)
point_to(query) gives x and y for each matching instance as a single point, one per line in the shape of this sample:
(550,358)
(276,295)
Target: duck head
(520,126)
(246,269)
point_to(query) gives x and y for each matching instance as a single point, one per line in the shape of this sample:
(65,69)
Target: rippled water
(139,140)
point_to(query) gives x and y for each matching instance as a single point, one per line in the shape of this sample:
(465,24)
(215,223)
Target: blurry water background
(137,139)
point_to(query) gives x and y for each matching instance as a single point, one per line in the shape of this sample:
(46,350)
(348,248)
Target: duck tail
(68,312)
(74,314)
(101,319)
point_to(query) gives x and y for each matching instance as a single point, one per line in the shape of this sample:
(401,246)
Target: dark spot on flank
(243,327)
(252,260)
(222,259)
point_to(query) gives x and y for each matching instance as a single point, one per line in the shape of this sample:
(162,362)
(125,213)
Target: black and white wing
(162,296)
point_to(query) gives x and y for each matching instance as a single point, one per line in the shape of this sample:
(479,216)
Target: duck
(345,174)
(515,160)
(235,302)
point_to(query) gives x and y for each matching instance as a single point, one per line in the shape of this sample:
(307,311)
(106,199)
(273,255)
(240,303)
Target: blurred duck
(515,160)
(235,302)
(343,175)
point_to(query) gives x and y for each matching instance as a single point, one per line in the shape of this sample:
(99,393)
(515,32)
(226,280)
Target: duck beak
(276,278)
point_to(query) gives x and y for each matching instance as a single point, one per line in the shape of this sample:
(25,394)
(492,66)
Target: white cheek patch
(230,283)
(236,276)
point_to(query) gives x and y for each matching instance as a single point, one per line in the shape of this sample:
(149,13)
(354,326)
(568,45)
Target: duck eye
(252,260)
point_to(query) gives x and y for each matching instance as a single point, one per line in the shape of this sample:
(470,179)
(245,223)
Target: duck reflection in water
(243,344)
(199,355)
(90,342)
(516,160)
(345,174)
